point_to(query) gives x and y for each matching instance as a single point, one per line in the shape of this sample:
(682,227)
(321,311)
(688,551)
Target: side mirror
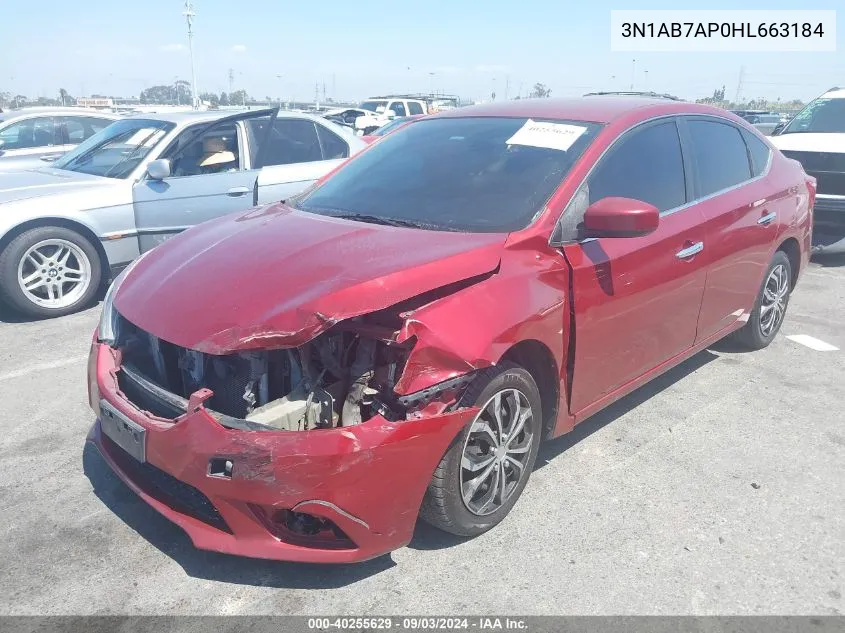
(778,129)
(391,114)
(620,217)
(159,169)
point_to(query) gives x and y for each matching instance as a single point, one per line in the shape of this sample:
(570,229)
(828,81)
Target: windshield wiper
(377,219)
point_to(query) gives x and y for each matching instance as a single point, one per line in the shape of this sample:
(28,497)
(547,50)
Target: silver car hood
(36,183)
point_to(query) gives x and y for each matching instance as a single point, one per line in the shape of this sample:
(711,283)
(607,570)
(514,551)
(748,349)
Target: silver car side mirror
(159,169)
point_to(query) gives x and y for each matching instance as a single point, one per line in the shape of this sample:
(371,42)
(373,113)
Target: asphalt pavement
(717,489)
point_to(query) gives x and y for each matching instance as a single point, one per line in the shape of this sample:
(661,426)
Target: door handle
(238,191)
(689,251)
(767,219)
(49,158)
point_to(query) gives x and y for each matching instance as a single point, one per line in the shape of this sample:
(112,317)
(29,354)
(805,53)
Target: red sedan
(304,380)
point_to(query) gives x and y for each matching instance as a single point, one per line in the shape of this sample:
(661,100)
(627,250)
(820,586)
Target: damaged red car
(304,380)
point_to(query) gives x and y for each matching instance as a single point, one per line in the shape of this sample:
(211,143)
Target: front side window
(820,116)
(214,151)
(646,165)
(29,133)
(290,141)
(720,156)
(116,150)
(461,174)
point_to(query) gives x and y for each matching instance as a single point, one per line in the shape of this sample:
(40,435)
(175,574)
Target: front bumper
(368,480)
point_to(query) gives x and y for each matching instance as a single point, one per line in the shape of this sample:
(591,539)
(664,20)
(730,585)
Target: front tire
(487,466)
(770,306)
(49,271)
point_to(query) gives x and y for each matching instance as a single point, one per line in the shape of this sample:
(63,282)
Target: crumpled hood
(35,183)
(809,142)
(275,277)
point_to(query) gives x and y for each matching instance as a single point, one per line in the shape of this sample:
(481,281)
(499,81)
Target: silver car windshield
(115,151)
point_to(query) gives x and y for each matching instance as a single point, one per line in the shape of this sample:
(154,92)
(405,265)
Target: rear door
(298,152)
(209,178)
(740,209)
(636,299)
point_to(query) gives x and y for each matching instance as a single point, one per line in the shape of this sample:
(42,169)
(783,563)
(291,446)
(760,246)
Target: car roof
(597,109)
(199,116)
(48,110)
(835,93)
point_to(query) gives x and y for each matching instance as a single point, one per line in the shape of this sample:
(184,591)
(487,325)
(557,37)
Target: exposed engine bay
(340,378)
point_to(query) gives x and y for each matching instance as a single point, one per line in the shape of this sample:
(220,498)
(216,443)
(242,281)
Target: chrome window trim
(676,117)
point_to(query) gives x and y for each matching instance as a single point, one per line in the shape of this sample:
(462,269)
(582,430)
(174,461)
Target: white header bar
(716,31)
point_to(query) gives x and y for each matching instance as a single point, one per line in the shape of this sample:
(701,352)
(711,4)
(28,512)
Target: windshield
(389,127)
(488,175)
(116,150)
(374,106)
(821,115)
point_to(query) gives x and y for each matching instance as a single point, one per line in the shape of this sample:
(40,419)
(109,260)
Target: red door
(636,300)
(740,210)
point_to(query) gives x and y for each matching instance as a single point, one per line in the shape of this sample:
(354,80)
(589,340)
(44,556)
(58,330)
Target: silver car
(34,136)
(67,227)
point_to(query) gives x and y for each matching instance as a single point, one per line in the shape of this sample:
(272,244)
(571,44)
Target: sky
(362,48)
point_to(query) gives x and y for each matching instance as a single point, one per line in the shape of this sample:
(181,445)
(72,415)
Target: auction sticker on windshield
(547,135)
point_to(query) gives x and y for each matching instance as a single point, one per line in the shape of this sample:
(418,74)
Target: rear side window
(414,108)
(290,141)
(29,133)
(80,128)
(645,165)
(333,145)
(720,156)
(398,108)
(759,151)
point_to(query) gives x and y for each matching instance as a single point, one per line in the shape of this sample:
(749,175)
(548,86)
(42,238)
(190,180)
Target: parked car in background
(66,227)
(387,128)
(765,122)
(381,110)
(345,116)
(815,137)
(303,381)
(35,136)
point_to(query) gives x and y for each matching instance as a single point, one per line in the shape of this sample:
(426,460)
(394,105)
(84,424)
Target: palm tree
(63,95)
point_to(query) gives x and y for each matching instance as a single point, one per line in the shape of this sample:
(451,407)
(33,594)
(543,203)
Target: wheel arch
(66,223)
(537,359)
(792,249)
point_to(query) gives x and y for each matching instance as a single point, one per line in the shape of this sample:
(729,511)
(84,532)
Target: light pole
(645,80)
(279,77)
(431,83)
(189,16)
(633,72)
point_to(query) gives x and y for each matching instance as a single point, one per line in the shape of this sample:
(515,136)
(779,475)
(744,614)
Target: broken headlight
(107,330)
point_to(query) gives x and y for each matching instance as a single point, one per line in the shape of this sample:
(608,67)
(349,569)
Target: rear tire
(460,499)
(49,271)
(770,306)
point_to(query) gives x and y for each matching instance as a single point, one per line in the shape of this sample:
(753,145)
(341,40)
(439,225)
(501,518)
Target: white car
(815,137)
(30,137)
(381,110)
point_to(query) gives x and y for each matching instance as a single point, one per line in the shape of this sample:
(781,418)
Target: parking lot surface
(717,489)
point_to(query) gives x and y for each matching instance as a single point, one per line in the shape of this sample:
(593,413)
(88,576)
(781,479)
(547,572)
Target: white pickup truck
(384,109)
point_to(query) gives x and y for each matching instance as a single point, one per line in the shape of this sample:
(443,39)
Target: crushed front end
(303,453)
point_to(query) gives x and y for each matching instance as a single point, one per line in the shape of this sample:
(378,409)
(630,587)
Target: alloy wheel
(54,273)
(773,303)
(496,452)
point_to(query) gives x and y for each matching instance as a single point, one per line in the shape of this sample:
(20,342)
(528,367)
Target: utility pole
(739,84)
(231,80)
(633,73)
(317,96)
(507,86)
(189,16)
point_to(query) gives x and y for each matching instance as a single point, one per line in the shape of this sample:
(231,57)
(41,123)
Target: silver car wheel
(496,451)
(773,304)
(54,273)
